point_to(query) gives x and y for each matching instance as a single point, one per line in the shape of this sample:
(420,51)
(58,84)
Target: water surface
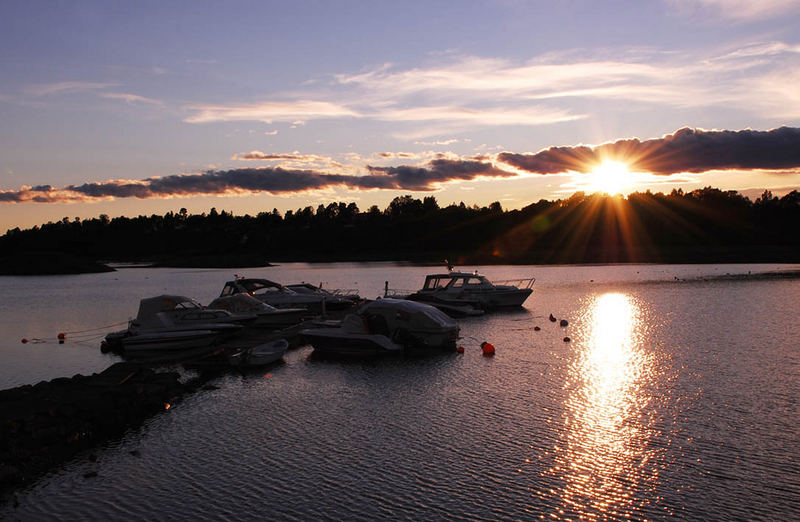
(676,397)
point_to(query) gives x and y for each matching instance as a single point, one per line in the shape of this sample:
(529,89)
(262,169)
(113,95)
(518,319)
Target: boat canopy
(410,315)
(164,303)
(252,286)
(241,303)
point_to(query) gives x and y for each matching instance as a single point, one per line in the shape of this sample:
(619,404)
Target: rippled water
(676,397)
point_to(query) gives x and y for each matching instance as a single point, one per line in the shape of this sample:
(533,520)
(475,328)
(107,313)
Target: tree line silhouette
(705,225)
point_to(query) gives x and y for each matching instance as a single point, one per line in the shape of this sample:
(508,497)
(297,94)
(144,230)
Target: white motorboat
(176,312)
(267,316)
(174,323)
(289,296)
(387,326)
(459,292)
(133,342)
(260,355)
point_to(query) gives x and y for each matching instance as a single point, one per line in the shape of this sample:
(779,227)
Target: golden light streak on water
(605,458)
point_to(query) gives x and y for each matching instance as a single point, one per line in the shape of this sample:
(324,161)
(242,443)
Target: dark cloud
(687,150)
(272,180)
(438,171)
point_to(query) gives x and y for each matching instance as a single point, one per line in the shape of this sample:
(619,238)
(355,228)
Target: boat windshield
(432,283)
(477,281)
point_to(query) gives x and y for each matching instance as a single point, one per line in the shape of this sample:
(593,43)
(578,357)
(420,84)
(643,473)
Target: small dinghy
(259,355)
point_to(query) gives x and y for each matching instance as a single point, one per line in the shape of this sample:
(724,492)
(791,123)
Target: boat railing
(396,292)
(345,292)
(522,283)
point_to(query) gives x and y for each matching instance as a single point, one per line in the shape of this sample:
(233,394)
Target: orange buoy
(62,336)
(460,349)
(24,341)
(487,348)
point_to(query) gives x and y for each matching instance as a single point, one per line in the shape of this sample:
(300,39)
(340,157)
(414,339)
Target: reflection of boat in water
(464,293)
(387,326)
(291,296)
(259,355)
(267,316)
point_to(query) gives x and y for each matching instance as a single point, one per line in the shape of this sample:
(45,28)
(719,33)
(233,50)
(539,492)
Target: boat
(291,296)
(260,355)
(177,312)
(133,342)
(470,293)
(174,323)
(267,316)
(386,326)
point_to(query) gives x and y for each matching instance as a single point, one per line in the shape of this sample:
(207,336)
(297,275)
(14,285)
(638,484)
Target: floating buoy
(552,318)
(563,322)
(460,349)
(62,336)
(536,328)
(487,348)
(567,339)
(24,341)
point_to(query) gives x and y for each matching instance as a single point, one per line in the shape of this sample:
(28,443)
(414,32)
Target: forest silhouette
(701,226)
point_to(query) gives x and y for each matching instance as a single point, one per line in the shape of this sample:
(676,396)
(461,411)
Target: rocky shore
(44,425)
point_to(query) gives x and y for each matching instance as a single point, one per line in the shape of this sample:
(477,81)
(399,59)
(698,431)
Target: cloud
(264,156)
(467,92)
(438,171)
(292,111)
(738,9)
(129,98)
(55,88)
(440,142)
(687,150)
(272,180)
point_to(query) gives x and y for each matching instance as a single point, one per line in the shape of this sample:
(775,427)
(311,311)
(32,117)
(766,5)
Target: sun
(611,177)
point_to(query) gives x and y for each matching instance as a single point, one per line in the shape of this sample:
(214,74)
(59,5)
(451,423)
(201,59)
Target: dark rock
(563,323)
(49,423)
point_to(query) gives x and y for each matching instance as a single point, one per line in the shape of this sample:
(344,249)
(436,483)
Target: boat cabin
(456,280)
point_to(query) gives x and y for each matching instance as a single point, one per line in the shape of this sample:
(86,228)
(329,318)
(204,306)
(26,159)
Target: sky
(128,108)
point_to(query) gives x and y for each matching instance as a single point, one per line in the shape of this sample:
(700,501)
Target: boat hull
(168,341)
(335,341)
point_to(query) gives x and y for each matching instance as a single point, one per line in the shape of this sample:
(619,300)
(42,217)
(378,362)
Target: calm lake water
(677,398)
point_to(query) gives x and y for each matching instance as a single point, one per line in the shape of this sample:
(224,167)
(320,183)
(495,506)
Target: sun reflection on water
(605,456)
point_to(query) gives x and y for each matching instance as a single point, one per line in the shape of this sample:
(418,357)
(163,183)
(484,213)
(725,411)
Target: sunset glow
(513,114)
(611,177)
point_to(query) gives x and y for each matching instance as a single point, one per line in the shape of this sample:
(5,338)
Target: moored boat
(387,326)
(291,296)
(465,293)
(267,316)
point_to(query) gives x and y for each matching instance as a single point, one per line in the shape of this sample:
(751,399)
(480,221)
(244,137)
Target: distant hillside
(43,262)
(706,225)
